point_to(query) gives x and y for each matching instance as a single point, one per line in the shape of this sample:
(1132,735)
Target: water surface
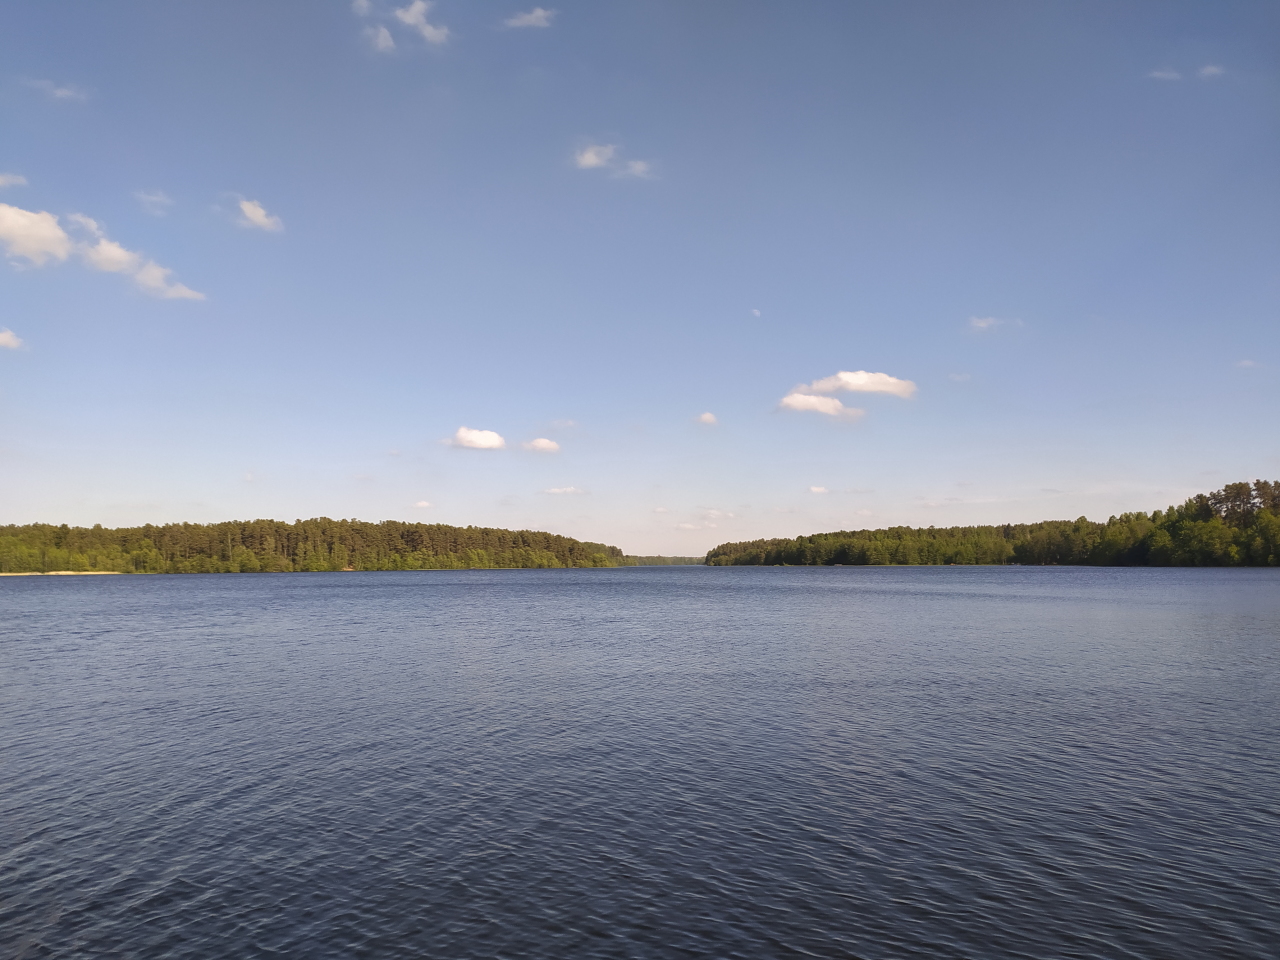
(653,762)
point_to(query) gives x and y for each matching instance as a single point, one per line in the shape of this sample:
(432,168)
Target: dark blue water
(664,762)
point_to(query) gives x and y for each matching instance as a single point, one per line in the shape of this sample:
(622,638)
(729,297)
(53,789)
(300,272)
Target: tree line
(275,546)
(1238,525)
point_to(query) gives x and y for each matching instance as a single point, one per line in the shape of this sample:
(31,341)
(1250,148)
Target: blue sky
(268,260)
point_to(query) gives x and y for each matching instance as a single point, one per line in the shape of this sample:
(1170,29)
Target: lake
(642,762)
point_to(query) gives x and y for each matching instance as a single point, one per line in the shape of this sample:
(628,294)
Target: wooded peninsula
(1238,525)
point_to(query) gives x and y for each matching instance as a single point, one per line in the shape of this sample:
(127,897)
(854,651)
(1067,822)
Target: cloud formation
(860,381)
(1165,74)
(156,202)
(35,237)
(56,91)
(414,16)
(38,237)
(604,156)
(8,339)
(380,38)
(559,490)
(12,180)
(708,418)
(478,439)
(829,406)
(254,216)
(542,445)
(361,8)
(1210,71)
(537,17)
(819,490)
(423,504)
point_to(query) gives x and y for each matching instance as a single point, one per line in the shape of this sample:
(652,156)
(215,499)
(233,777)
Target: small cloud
(542,445)
(563,490)
(1210,71)
(56,91)
(8,339)
(12,180)
(564,424)
(604,156)
(860,381)
(380,39)
(717,514)
(1246,363)
(34,236)
(478,439)
(661,510)
(537,17)
(819,490)
(414,16)
(594,156)
(755,313)
(637,168)
(423,504)
(253,215)
(958,377)
(985,323)
(154,279)
(708,418)
(156,203)
(38,237)
(829,406)
(361,8)
(1165,74)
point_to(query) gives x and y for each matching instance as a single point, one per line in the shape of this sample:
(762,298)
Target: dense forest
(306,545)
(1238,525)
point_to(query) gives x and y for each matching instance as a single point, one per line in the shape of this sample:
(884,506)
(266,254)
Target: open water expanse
(653,762)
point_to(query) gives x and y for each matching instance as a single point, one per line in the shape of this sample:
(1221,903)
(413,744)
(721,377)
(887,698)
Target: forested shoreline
(1238,525)
(271,546)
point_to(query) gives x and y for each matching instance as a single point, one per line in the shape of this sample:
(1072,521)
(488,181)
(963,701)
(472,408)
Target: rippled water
(665,762)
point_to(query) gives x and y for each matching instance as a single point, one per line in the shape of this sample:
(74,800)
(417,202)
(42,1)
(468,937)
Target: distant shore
(64,573)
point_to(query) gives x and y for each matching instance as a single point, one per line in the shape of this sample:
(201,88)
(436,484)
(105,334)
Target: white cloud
(1165,74)
(414,16)
(478,439)
(361,8)
(1246,363)
(636,168)
(825,405)
(708,418)
(958,377)
(985,323)
(12,180)
(154,279)
(380,38)
(755,313)
(38,237)
(254,215)
(156,203)
(58,92)
(660,510)
(423,503)
(537,17)
(564,424)
(1210,71)
(594,156)
(566,490)
(819,490)
(860,381)
(542,445)
(8,339)
(110,257)
(35,237)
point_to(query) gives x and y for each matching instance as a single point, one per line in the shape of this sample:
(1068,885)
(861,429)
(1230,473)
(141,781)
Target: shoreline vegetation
(1238,525)
(273,546)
